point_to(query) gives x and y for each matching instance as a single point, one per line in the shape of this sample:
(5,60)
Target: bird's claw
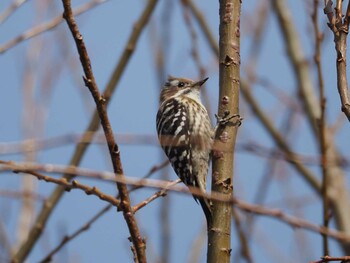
(226,119)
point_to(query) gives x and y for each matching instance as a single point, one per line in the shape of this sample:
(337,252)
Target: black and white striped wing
(173,129)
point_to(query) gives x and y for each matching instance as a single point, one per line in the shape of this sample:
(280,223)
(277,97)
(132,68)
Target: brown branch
(89,79)
(10,10)
(38,144)
(336,179)
(31,145)
(280,154)
(47,26)
(279,92)
(203,26)
(298,62)
(337,185)
(258,33)
(69,238)
(295,222)
(338,192)
(340,31)
(156,195)
(89,223)
(5,243)
(219,232)
(278,138)
(244,246)
(32,169)
(321,124)
(93,126)
(21,194)
(324,259)
(19,167)
(256,209)
(338,11)
(74,185)
(96,192)
(196,247)
(195,53)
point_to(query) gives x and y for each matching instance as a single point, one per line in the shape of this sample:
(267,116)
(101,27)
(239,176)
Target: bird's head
(176,87)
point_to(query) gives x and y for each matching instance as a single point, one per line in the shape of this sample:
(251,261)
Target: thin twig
(278,138)
(31,145)
(154,196)
(68,238)
(202,21)
(75,185)
(47,26)
(261,19)
(295,222)
(89,223)
(244,244)
(89,79)
(195,54)
(340,31)
(297,60)
(257,209)
(38,144)
(21,194)
(10,10)
(321,124)
(5,241)
(325,259)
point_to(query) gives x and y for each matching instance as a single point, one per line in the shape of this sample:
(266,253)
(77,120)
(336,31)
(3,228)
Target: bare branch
(38,144)
(89,79)
(340,31)
(47,26)
(308,175)
(295,222)
(256,209)
(324,259)
(93,126)
(11,9)
(219,244)
(155,196)
(69,238)
(89,223)
(322,125)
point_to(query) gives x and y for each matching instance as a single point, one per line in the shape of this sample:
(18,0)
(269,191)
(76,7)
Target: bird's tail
(205,204)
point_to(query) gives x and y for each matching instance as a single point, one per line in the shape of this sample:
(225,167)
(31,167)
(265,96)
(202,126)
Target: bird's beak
(199,83)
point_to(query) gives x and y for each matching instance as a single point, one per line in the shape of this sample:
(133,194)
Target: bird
(186,134)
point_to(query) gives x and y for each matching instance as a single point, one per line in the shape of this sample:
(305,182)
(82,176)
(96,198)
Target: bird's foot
(226,119)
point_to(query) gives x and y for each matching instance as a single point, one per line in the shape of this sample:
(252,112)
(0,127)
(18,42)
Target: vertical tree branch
(89,79)
(300,68)
(340,31)
(219,233)
(244,243)
(203,26)
(321,125)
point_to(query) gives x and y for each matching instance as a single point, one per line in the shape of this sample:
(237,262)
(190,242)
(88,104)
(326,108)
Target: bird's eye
(181,84)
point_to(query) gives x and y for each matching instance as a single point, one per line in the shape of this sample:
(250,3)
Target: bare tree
(279,187)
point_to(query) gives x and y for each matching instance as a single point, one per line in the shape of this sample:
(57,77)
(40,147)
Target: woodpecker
(186,134)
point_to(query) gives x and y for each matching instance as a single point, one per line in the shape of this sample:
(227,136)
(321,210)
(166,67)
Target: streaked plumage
(185,133)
